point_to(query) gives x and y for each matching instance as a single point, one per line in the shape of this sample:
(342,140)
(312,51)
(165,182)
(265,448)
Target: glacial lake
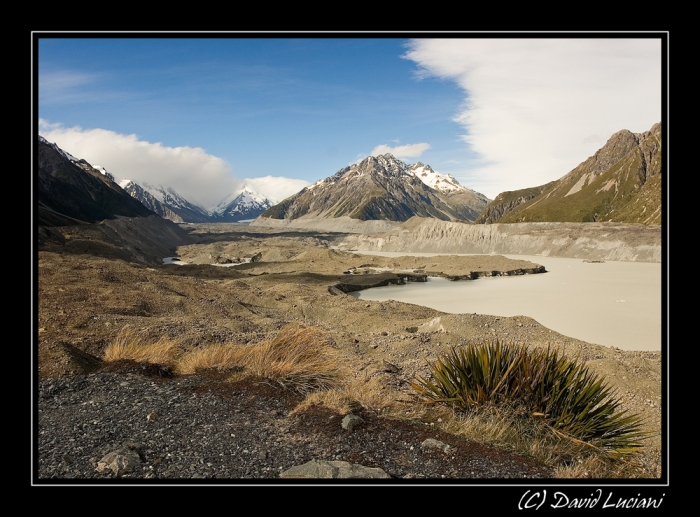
(615,304)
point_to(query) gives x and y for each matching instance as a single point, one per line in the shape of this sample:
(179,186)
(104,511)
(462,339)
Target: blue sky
(204,115)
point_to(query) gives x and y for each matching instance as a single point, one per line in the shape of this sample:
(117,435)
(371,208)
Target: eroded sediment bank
(592,241)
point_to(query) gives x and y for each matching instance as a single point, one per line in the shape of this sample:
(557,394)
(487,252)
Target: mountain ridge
(621,182)
(165,202)
(81,210)
(71,191)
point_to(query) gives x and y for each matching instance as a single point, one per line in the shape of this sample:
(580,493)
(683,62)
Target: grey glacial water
(611,303)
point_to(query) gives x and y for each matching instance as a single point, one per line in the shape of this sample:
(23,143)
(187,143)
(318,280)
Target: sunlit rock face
(383,188)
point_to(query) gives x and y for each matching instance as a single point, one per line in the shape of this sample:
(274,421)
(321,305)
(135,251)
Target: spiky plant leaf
(573,401)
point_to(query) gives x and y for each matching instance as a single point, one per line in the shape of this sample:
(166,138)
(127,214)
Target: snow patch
(442,182)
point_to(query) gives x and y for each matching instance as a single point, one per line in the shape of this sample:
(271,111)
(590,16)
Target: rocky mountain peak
(242,204)
(381,188)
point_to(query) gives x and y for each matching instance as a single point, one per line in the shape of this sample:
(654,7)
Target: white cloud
(536,108)
(276,188)
(193,173)
(402,152)
(200,177)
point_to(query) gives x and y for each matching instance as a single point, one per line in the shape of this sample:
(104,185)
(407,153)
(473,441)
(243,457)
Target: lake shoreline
(616,303)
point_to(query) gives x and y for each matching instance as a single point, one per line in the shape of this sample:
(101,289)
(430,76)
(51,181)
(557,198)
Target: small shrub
(570,400)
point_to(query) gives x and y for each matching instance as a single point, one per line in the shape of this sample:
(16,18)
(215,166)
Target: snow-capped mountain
(383,188)
(165,202)
(468,202)
(103,171)
(58,150)
(240,205)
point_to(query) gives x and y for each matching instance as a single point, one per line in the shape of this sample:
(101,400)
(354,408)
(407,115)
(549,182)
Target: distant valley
(241,205)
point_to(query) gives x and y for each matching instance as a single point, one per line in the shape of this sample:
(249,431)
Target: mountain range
(242,204)
(621,182)
(382,188)
(165,202)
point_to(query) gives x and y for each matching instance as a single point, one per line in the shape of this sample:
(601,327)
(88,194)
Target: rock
(321,469)
(432,443)
(120,462)
(391,368)
(351,422)
(434,325)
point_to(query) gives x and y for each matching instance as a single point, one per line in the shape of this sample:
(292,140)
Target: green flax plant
(571,401)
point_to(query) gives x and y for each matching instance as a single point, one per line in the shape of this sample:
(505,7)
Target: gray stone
(351,422)
(120,462)
(321,469)
(432,443)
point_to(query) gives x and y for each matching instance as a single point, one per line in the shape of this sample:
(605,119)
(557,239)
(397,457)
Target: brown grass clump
(131,346)
(220,358)
(350,396)
(299,358)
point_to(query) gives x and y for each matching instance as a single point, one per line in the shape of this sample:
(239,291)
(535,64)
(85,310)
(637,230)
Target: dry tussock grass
(351,395)
(581,468)
(508,430)
(218,357)
(299,358)
(130,345)
(503,429)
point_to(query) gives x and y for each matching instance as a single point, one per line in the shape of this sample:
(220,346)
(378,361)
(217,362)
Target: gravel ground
(194,428)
